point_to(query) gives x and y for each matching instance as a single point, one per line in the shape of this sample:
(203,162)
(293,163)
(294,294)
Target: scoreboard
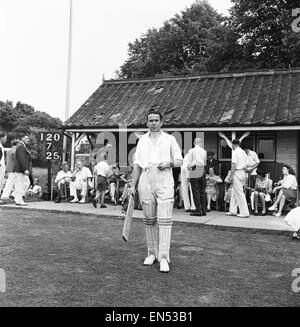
(52,145)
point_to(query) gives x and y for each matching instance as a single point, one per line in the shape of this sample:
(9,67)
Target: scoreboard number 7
(52,143)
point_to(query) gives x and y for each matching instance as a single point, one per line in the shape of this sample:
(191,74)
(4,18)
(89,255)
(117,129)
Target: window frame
(266,136)
(256,136)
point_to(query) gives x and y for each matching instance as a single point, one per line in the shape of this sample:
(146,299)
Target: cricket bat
(128,219)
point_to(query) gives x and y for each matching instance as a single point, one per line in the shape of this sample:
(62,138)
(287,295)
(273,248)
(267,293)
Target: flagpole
(68,90)
(67,111)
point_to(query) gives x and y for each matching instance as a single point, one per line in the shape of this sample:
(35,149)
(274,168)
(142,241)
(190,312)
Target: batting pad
(151,229)
(165,221)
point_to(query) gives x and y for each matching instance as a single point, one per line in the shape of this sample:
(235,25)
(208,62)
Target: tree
(7,116)
(185,44)
(24,118)
(256,35)
(264,31)
(39,120)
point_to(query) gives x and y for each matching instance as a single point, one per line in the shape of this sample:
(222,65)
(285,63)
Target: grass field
(71,260)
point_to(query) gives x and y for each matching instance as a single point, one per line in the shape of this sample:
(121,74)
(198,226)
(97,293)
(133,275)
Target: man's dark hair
(261,172)
(153,111)
(14,142)
(210,153)
(261,155)
(236,142)
(21,135)
(105,141)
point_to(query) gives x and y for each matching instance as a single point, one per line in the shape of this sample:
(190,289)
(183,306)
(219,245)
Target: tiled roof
(225,99)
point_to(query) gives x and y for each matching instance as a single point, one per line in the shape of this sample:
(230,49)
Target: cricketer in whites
(157,152)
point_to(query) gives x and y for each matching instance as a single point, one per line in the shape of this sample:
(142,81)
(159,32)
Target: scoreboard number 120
(53,144)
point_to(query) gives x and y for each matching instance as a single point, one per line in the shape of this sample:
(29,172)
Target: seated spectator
(63,179)
(211,162)
(228,188)
(262,191)
(211,186)
(127,178)
(82,177)
(287,188)
(35,189)
(178,199)
(113,182)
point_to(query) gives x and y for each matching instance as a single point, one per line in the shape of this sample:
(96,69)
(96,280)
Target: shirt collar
(162,135)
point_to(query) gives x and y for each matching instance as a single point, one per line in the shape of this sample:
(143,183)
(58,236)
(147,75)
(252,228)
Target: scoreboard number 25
(51,141)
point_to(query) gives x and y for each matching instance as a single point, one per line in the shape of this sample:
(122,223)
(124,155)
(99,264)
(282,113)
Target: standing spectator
(22,169)
(196,165)
(101,170)
(105,149)
(10,160)
(238,178)
(3,139)
(212,163)
(252,164)
(63,179)
(211,186)
(82,175)
(187,194)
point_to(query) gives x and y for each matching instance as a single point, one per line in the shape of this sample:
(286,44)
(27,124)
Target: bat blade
(128,219)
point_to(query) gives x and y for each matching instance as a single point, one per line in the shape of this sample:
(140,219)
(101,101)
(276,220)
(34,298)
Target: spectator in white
(186,190)
(252,164)
(238,178)
(63,178)
(10,159)
(22,169)
(3,139)
(287,188)
(35,189)
(293,220)
(82,179)
(105,149)
(196,165)
(101,170)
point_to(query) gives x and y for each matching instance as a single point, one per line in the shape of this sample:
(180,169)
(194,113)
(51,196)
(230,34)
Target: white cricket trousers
(156,192)
(186,189)
(22,183)
(81,185)
(238,198)
(2,174)
(10,182)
